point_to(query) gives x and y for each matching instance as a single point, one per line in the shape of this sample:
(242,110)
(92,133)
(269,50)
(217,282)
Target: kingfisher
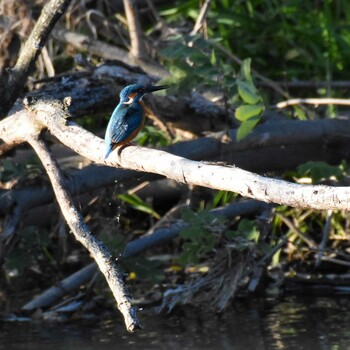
(129,116)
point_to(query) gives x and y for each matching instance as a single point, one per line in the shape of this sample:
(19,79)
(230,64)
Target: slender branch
(268,82)
(313,101)
(324,240)
(83,234)
(201,17)
(13,85)
(138,49)
(309,241)
(110,52)
(335,261)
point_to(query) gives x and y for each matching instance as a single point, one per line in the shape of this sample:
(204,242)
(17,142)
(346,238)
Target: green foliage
(10,171)
(249,112)
(150,135)
(205,230)
(320,171)
(246,229)
(114,242)
(306,39)
(33,245)
(137,203)
(222,198)
(145,269)
(192,62)
(196,63)
(199,235)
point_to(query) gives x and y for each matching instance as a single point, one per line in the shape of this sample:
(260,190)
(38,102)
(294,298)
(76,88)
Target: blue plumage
(128,117)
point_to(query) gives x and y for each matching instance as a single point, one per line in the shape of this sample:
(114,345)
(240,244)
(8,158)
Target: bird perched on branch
(128,117)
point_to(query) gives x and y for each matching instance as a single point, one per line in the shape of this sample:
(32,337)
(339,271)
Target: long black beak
(156,88)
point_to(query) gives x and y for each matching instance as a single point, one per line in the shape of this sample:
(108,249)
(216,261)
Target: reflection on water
(292,323)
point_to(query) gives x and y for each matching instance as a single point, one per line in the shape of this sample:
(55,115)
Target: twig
(48,63)
(313,101)
(335,261)
(14,83)
(201,17)
(265,80)
(110,52)
(83,234)
(259,266)
(159,20)
(158,122)
(268,136)
(138,49)
(325,235)
(309,241)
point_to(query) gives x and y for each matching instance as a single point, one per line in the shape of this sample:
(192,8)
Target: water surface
(292,323)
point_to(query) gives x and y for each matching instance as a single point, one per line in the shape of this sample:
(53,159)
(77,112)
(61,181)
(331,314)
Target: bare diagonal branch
(83,234)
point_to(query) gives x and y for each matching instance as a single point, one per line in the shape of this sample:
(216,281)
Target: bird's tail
(109,150)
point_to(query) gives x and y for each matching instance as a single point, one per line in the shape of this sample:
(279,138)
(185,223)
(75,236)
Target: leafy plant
(319,171)
(9,170)
(222,198)
(247,229)
(137,203)
(32,246)
(144,269)
(150,135)
(199,235)
(249,112)
(196,63)
(307,40)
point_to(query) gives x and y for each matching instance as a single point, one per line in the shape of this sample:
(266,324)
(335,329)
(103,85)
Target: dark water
(291,323)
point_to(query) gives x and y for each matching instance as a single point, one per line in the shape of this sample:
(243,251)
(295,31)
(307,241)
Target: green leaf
(246,70)
(245,112)
(248,92)
(299,113)
(320,171)
(191,233)
(222,197)
(248,229)
(213,58)
(137,203)
(246,128)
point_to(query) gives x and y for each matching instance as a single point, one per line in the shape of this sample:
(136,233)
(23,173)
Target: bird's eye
(129,101)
